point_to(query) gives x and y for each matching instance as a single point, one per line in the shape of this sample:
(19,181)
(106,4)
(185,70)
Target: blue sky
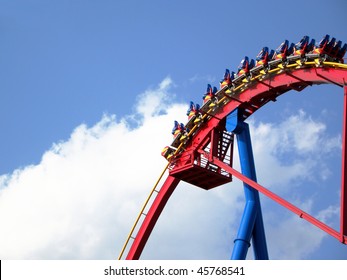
(75,76)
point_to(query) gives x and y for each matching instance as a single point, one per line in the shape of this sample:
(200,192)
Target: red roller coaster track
(204,156)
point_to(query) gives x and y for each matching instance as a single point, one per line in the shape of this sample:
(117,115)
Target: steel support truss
(248,101)
(249,179)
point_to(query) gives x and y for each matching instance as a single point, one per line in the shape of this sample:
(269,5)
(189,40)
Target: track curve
(253,94)
(249,94)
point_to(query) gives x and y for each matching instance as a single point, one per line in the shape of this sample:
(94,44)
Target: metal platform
(196,168)
(202,177)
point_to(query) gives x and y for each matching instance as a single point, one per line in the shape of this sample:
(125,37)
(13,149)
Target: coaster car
(322,45)
(226,81)
(210,93)
(311,46)
(167,152)
(194,110)
(330,46)
(245,66)
(264,56)
(177,129)
(335,49)
(300,48)
(179,133)
(284,50)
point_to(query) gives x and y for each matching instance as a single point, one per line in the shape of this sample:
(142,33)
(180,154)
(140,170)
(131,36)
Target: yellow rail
(141,212)
(335,64)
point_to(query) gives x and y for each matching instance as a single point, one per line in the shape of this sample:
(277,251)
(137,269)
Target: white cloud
(291,157)
(155,101)
(294,149)
(81,200)
(292,237)
(205,78)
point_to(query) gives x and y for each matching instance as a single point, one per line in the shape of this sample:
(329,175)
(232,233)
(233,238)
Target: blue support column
(251,226)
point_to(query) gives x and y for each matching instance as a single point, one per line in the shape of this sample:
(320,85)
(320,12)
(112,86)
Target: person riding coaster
(167,152)
(264,56)
(330,46)
(179,130)
(209,96)
(301,46)
(245,66)
(227,80)
(335,49)
(262,61)
(311,46)
(320,48)
(194,112)
(283,51)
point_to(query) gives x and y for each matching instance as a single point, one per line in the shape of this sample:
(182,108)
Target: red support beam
(343,215)
(280,200)
(151,218)
(214,144)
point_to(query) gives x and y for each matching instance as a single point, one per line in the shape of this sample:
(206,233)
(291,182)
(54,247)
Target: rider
(167,152)
(245,66)
(193,110)
(262,57)
(178,128)
(210,93)
(301,46)
(284,50)
(226,81)
(320,48)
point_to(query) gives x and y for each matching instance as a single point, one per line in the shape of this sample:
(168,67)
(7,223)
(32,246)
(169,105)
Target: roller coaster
(201,152)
